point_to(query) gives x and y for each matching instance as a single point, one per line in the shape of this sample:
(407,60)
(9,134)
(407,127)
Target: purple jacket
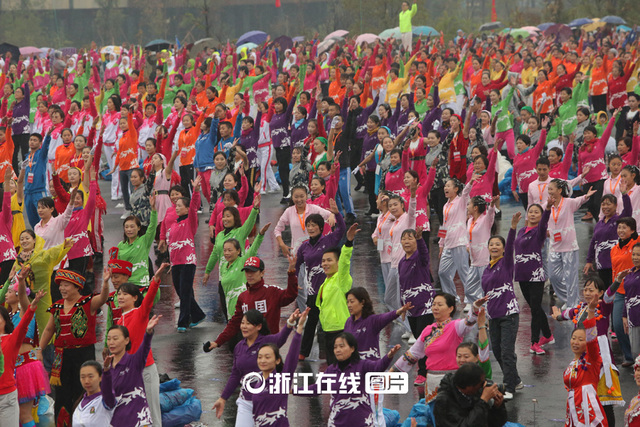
(632,298)
(528,247)
(249,142)
(311,255)
(279,126)
(361,120)
(128,388)
(402,116)
(245,358)
(368,145)
(270,409)
(433,115)
(605,237)
(21,111)
(415,281)
(497,283)
(367,332)
(300,133)
(351,409)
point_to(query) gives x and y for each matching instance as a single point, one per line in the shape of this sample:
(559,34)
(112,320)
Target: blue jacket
(38,168)
(205,145)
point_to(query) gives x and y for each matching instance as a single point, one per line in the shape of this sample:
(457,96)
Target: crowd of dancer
(430,131)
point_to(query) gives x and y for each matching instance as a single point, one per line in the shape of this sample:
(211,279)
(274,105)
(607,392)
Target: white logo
(386,382)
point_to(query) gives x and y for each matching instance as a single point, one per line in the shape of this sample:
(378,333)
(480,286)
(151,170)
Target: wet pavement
(541,403)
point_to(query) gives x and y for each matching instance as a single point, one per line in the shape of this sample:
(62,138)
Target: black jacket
(454,409)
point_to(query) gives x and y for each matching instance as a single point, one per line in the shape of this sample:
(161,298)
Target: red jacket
(266,299)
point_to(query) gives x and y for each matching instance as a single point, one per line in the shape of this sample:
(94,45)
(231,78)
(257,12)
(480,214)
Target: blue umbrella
(391,32)
(614,20)
(424,31)
(580,22)
(623,28)
(545,25)
(257,37)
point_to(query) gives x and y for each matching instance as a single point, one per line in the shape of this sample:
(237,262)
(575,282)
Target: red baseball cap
(253,264)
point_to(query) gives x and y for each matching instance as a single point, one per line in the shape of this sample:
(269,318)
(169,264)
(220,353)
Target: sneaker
(498,214)
(375,215)
(587,217)
(194,324)
(627,363)
(125,215)
(614,336)
(263,192)
(284,201)
(520,386)
(406,335)
(119,205)
(412,340)
(301,357)
(182,330)
(536,349)
(467,308)
(200,210)
(544,341)
(176,305)
(508,395)
(420,380)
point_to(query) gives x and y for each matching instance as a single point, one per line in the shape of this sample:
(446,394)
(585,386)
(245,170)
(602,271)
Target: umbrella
(490,26)
(336,34)
(390,33)
(248,46)
(325,45)
(45,51)
(597,23)
(202,44)
(623,28)
(158,45)
(576,23)
(424,31)
(285,42)
(366,38)
(6,47)
(562,32)
(613,20)
(531,30)
(257,37)
(544,26)
(29,50)
(69,51)
(298,39)
(519,32)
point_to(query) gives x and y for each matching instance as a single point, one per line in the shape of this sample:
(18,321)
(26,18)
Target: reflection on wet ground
(541,403)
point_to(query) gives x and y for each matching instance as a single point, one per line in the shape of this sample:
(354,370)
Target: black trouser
(324,87)
(186,176)
(310,327)
(330,337)
(20,143)
(223,302)
(283,156)
(79,265)
(532,292)
(605,275)
(524,199)
(599,103)
(438,200)
(593,204)
(611,416)
(370,185)
(190,311)
(71,388)
(55,291)
(417,325)
(354,160)
(5,269)
(252,176)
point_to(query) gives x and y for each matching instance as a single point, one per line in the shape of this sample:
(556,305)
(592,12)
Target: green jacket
(405,18)
(504,120)
(331,298)
(232,277)
(239,233)
(137,253)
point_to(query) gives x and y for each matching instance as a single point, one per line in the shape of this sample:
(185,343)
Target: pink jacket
(455,221)
(524,165)
(595,158)
(561,169)
(7,250)
(538,192)
(422,212)
(562,231)
(53,231)
(381,232)
(634,195)
(612,186)
(182,249)
(484,186)
(479,234)
(77,229)
(405,221)
(296,222)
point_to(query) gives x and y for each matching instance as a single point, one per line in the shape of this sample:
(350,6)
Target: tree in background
(23,26)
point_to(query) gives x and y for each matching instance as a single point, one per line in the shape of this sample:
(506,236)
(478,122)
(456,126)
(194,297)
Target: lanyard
(31,156)
(613,189)
(446,211)
(301,219)
(384,219)
(555,213)
(541,190)
(394,225)
(471,227)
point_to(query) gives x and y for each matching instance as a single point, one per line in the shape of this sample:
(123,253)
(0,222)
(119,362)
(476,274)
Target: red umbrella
(561,32)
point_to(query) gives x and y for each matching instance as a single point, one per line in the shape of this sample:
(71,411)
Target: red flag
(494,15)
(277,3)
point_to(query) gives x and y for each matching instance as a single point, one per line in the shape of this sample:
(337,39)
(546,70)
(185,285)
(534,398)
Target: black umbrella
(157,45)
(285,42)
(15,50)
(489,26)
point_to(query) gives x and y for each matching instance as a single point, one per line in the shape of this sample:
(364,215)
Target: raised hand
(352,231)
(36,299)
(264,229)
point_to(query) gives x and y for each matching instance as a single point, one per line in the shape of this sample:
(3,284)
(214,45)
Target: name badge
(30,178)
(557,237)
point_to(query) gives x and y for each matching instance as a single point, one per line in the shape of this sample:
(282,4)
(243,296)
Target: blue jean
(343,197)
(503,332)
(31,206)
(618,327)
(125,183)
